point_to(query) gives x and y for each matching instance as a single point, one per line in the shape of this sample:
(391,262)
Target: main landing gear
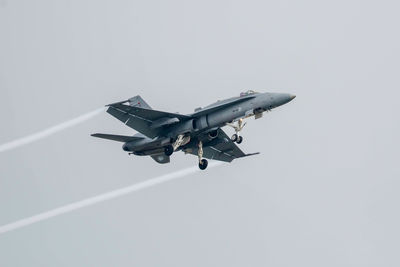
(203,163)
(238,128)
(180,141)
(168,150)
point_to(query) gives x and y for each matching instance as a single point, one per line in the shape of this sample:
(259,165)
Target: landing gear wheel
(239,140)
(168,150)
(203,164)
(234,138)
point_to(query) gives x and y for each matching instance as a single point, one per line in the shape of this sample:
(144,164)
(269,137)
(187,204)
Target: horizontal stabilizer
(118,138)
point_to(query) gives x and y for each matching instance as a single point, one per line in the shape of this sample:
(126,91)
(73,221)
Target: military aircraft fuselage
(205,122)
(162,133)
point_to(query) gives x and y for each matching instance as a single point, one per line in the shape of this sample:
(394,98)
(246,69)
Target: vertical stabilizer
(137,101)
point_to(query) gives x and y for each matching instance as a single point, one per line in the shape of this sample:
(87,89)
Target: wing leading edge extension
(220,105)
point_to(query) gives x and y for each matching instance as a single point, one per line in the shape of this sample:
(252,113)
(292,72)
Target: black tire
(203,164)
(168,150)
(240,140)
(234,138)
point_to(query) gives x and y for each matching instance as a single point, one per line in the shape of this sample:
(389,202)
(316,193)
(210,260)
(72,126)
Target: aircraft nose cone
(286,98)
(281,99)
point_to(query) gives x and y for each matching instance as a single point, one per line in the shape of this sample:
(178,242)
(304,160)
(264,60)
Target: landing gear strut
(181,140)
(238,128)
(203,163)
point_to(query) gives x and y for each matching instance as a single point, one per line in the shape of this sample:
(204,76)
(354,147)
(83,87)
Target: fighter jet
(160,134)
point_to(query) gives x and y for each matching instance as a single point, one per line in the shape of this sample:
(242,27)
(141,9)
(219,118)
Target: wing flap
(221,148)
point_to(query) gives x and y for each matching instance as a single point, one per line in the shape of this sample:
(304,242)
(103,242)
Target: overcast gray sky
(324,191)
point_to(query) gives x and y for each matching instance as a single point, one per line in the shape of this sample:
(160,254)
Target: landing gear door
(258,113)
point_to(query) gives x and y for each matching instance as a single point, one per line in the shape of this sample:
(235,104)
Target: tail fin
(138,101)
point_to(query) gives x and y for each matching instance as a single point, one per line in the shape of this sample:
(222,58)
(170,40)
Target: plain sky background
(324,191)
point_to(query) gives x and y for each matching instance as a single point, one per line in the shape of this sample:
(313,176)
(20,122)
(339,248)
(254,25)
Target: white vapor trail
(45,133)
(101,198)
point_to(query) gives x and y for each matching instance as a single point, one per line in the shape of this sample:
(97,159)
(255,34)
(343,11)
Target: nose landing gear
(237,138)
(238,128)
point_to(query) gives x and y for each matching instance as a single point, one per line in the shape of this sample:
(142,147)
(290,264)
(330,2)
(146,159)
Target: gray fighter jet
(163,133)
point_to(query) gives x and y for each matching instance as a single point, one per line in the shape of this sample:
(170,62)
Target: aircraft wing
(146,121)
(221,149)
(118,138)
(147,114)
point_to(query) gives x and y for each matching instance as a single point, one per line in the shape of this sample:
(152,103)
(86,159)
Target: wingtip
(252,154)
(116,103)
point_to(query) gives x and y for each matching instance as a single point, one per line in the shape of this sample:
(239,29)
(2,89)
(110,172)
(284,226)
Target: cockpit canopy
(249,92)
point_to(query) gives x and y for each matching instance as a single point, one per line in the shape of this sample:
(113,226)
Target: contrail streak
(100,198)
(45,133)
